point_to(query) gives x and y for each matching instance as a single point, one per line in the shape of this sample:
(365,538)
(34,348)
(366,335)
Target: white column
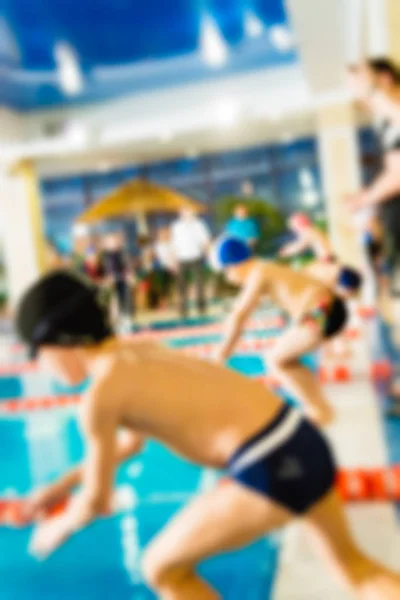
(340,165)
(19,214)
(323,29)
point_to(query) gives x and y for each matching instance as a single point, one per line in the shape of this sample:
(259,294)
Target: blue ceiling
(125,46)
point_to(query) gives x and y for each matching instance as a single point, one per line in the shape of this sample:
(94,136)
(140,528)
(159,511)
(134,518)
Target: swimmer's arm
(387,184)
(246,303)
(128,444)
(294,248)
(100,427)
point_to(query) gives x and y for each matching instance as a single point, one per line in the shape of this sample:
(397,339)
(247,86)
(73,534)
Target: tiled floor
(358,438)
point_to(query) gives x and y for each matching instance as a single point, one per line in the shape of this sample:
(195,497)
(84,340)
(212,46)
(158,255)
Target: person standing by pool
(376,84)
(242,226)
(190,241)
(118,272)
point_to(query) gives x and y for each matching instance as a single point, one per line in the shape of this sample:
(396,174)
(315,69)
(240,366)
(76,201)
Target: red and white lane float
(380,370)
(24,406)
(28,405)
(355,485)
(364,485)
(380,484)
(14,511)
(19,368)
(253,325)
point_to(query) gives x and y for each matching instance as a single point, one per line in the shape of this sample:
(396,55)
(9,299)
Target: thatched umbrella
(138,198)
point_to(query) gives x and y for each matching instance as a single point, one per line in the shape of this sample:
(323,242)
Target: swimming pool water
(103,561)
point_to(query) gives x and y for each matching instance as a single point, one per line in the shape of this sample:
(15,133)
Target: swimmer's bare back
(200,410)
(295,292)
(327,273)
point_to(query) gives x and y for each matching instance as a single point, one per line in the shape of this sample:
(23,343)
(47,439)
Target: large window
(286,174)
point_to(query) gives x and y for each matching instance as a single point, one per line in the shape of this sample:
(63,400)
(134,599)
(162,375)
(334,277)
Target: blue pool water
(103,561)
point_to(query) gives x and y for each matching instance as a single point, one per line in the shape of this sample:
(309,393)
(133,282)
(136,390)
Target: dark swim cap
(62,309)
(350,279)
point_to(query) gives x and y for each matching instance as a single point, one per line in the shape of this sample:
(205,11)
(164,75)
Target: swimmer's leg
(368,579)
(221,520)
(284,361)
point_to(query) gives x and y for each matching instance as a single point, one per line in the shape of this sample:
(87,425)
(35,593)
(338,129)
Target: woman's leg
(329,531)
(221,520)
(284,361)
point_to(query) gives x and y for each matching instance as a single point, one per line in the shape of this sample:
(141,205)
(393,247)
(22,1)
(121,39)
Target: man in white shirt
(190,239)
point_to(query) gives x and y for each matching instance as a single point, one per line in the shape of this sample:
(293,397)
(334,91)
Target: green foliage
(270,220)
(3,300)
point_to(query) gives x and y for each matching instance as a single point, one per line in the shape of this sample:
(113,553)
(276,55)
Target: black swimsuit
(389,211)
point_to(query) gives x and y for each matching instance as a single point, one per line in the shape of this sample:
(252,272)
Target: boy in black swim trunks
(316,315)
(242,427)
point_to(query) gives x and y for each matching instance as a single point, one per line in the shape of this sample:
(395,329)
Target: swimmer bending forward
(280,465)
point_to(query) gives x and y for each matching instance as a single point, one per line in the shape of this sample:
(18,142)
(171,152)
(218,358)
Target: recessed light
(213,46)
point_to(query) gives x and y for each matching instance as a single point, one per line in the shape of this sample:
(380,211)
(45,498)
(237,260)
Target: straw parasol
(138,198)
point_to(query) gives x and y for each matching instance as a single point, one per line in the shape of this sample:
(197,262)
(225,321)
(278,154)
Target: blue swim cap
(228,251)
(350,279)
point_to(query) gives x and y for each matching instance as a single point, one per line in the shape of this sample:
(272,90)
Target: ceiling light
(8,45)
(281,38)
(69,73)
(213,46)
(253,26)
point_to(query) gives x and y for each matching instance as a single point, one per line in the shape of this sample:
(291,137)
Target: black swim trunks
(288,461)
(329,317)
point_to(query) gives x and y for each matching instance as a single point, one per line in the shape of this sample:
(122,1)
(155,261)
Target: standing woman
(376,84)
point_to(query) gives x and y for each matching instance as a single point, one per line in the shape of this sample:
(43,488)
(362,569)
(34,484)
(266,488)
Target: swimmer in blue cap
(315,313)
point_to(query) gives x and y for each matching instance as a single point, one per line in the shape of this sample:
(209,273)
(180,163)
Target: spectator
(81,244)
(147,296)
(118,271)
(93,266)
(166,261)
(242,226)
(190,239)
